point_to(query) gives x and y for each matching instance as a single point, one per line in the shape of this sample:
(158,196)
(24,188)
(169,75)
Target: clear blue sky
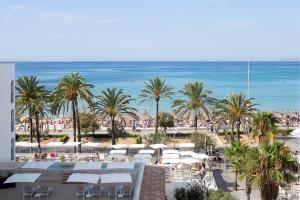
(149,29)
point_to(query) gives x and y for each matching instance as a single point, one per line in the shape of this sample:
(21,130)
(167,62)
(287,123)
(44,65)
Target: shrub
(218,195)
(200,138)
(64,138)
(191,192)
(138,139)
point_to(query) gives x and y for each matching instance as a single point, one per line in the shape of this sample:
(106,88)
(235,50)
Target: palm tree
(114,104)
(70,90)
(236,154)
(156,89)
(237,109)
(271,168)
(197,99)
(263,122)
(27,92)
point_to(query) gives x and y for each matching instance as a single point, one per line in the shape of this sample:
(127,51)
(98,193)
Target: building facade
(7,112)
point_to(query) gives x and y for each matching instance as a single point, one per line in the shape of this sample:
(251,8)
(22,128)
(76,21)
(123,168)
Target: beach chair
(96,192)
(28,191)
(127,190)
(45,191)
(80,192)
(112,191)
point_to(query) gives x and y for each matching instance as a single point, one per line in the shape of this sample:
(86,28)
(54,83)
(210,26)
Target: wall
(7,135)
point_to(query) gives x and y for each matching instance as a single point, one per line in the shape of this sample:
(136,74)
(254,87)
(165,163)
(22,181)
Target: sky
(113,30)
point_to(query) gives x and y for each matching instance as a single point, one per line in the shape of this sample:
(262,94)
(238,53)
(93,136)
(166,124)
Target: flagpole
(248,79)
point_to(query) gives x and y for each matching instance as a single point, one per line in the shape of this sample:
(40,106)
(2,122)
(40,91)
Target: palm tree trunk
(38,136)
(113,134)
(156,118)
(235,181)
(74,123)
(238,126)
(31,126)
(196,121)
(78,125)
(248,189)
(232,131)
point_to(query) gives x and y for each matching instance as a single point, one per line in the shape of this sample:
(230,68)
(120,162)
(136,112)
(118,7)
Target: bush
(64,138)
(218,195)
(199,141)
(283,131)
(138,139)
(191,192)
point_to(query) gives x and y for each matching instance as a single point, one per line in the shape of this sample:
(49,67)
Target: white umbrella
(200,156)
(189,161)
(186,153)
(146,151)
(186,145)
(91,145)
(27,144)
(158,146)
(170,151)
(137,146)
(170,156)
(123,152)
(87,166)
(83,178)
(37,165)
(170,161)
(141,156)
(119,146)
(55,144)
(23,178)
(120,165)
(116,178)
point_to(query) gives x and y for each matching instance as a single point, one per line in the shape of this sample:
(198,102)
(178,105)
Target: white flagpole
(248,79)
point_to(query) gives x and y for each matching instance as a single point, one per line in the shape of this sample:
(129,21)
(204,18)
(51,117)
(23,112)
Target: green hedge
(23,137)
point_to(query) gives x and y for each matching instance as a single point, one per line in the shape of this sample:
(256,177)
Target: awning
(23,178)
(116,178)
(170,156)
(119,146)
(186,145)
(120,165)
(72,144)
(37,165)
(146,151)
(137,146)
(83,178)
(170,151)
(123,152)
(143,156)
(87,166)
(170,161)
(54,144)
(158,146)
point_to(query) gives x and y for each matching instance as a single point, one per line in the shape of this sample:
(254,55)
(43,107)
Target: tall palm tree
(156,89)
(114,103)
(236,154)
(263,122)
(197,100)
(28,89)
(237,109)
(69,91)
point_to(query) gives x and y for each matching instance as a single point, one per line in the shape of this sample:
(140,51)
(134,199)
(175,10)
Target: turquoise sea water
(274,85)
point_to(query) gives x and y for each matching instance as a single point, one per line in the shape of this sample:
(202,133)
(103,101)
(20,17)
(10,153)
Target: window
(12,91)
(12,120)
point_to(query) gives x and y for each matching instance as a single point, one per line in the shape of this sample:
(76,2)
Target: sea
(274,85)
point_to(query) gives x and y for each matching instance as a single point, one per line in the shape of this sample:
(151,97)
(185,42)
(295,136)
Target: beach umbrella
(157,146)
(116,178)
(120,165)
(170,161)
(170,156)
(295,132)
(83,178)
(200,156)
(146,151)
(137,146)
(119,146)
(186,145)
(170,151)
(23,178)
(189,161)
(118,151)
(26,144)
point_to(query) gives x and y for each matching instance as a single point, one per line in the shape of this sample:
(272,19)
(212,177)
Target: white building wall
(7,112)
